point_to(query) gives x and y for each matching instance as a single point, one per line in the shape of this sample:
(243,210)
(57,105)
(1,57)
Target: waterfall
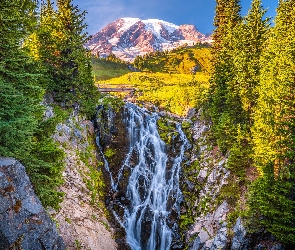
(153,188)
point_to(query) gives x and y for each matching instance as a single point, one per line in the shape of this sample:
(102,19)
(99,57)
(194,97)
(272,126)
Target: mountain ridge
(127,38)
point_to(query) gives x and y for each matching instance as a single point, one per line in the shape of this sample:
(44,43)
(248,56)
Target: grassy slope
(106,69)
(177,61)
(173,92)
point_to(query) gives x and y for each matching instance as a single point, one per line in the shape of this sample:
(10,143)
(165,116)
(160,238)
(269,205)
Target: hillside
(176,93)
(166,79)
(182,60)
(107,68)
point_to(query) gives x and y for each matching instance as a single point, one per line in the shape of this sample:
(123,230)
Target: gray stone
(197,244)
(48,112)
(191,113)
(32,205)
(220,240)
(202,175)
(78,134)
(24,223)
(239,240)
(4,183)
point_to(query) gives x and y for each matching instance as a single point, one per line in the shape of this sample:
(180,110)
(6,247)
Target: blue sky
(197,12)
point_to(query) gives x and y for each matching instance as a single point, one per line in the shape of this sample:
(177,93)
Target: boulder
(24,223)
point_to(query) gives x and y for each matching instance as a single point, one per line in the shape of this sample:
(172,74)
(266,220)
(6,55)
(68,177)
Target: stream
(153,186)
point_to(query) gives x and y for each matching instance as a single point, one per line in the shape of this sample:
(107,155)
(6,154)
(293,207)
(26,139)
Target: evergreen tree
(58,44)
(73,80)
(248,41)
(250,38)
(22,129)
(274,114)
(274,130)
(20,94)
(227,16)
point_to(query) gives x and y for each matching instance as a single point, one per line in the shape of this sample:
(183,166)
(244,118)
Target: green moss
(230,192)
(94,178)
(167,130)
(113,102)
(68,220)
(186,125)
(109,153)
(78,244)
(189,174)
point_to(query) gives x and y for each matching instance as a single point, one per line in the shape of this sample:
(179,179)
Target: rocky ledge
(24,223)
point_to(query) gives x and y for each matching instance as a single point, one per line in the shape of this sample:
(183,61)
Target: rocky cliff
(209,217)
(128,37)
(82,219)
(24,223)
(213,198)
(81,222)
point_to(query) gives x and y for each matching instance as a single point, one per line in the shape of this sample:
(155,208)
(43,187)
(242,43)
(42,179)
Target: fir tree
(21,115)
(73,79)
(250,37)
(248,41)
(227,16)
(274,130)
(58,44)
(20,94)
(274,114)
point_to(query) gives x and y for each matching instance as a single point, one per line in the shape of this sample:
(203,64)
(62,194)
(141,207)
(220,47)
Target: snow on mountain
(127,23)
(156,26)
(129,37)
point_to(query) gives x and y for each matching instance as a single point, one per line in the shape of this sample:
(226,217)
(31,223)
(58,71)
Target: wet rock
(239,240)
(114,130)
(191,113)
(24,223)
(198,244)
(78,134)
(220,241)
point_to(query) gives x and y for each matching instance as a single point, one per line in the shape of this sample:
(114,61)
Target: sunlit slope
(183,60)
(173,92)
(167,79)
(107,68)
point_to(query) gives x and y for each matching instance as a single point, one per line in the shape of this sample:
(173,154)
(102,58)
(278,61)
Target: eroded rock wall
(24,223)
(206,179)
(81,220)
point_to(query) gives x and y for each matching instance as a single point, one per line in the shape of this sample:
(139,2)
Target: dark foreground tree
(20,94)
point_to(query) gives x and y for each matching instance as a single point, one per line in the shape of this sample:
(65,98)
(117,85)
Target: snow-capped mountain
(129,37)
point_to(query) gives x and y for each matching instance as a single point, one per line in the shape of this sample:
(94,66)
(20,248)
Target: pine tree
(273,130)
(21,115)
(274,114)
(58,45)
(20,94)
(227,16)
(73,79)
(250,38)
(248,41)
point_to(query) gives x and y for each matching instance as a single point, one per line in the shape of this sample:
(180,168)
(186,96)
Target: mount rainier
(128,37)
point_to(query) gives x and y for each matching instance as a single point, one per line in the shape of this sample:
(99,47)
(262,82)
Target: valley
(147,135)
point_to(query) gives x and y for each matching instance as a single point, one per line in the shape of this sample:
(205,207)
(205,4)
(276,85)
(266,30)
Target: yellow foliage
(176,93)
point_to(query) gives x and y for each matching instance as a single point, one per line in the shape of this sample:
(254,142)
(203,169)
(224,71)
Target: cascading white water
(151,184)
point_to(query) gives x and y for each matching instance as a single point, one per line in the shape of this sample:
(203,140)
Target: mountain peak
(128,37)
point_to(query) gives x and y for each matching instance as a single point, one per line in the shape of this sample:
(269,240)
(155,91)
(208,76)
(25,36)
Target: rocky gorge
(199,209)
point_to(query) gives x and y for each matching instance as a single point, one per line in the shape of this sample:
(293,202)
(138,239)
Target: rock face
(211,228)
(129,37)
(24,224)
(82,221)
